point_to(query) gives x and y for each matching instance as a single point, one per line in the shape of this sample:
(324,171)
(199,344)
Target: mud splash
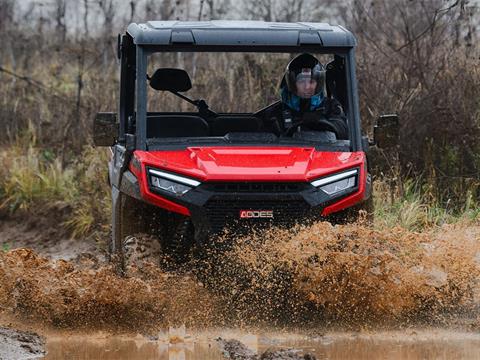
(348,276)
(83,294)
(354,275)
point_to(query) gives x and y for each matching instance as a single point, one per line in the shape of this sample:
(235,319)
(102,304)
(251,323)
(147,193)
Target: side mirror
(175,80)
(105,129)
(386,131)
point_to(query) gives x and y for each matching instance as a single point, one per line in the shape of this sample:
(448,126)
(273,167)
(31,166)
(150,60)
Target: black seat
(223,125)
(336,81)
(162,126)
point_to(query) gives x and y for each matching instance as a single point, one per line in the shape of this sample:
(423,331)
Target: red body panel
(250,164)
(151,197)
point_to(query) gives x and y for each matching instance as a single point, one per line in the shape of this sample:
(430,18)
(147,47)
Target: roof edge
(232,33)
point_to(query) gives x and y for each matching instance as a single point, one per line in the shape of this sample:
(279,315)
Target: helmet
(305,68)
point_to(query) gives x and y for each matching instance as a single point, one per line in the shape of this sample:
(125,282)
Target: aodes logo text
(256,214)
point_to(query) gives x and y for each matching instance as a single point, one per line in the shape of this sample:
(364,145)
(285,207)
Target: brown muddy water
(419,344)
(341,287)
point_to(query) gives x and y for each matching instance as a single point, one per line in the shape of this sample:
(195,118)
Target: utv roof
(238,34)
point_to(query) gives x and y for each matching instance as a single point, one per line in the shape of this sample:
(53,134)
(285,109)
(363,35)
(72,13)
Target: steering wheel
(317,125)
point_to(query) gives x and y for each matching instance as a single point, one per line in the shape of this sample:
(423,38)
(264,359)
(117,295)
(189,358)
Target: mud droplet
(436,278)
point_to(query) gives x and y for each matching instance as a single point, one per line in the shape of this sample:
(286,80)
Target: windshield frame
(143,52)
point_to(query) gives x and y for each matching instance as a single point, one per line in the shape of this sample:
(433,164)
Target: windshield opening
(246,96)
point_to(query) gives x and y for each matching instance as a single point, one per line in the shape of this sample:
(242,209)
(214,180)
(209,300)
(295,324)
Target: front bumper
(214,206)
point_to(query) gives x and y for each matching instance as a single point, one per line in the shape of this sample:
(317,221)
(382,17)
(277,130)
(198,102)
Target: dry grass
(32,178)
(28,180)
(416,209)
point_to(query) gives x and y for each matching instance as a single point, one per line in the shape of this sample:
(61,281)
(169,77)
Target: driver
(304,105)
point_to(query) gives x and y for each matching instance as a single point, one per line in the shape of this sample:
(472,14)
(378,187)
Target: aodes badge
(256,214)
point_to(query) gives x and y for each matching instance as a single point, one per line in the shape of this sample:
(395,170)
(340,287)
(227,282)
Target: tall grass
(414,208)
(32,178)
(92,207)
(28,180)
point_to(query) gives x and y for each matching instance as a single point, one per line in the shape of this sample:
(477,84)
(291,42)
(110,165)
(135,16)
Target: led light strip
(176,178)
(333,178)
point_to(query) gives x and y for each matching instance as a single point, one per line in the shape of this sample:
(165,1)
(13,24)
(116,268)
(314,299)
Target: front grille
(226,213)
(255,187)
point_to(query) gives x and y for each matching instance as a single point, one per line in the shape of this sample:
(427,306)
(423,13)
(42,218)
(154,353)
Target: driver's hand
(317,122)
(274,124)
(311,118)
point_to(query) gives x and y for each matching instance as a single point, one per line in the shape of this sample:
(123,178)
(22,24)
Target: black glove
(316,121)
(330,117)
(333,108)
(340,126)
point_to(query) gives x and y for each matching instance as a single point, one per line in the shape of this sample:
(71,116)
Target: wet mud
(43,232)
(320,278)
(320,275)
(349,276)
(16,344)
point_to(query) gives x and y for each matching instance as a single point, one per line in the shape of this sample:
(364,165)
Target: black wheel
(128,219)
(140,248)
(143,231)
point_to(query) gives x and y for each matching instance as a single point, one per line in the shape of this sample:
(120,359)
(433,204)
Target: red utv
(186,175)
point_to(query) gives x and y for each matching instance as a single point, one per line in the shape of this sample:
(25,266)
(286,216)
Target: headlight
(334,184)
(174,184)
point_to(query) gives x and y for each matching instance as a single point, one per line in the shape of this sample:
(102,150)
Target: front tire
(140,248)
(141,230)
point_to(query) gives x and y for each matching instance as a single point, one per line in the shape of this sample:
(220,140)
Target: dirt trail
(44,232)
(320,277)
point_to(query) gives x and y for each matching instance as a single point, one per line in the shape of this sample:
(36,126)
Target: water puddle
(116,348)
(410,344)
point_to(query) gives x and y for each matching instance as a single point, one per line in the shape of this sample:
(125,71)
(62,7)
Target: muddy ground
(43,231)
(16,344)
(316,279)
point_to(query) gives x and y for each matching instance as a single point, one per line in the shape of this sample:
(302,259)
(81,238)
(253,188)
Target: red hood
(251,163)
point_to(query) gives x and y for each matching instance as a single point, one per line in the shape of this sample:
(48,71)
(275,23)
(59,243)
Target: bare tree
(200,10)
(260,10)
(271,10)
(6,19)
(150,12)
(180,10)
(291,10)
(217,9)
(167,9)
(108,11)
(85,18)
(61,27)
(107,8)
(133,7)
(6,14)
(412,61)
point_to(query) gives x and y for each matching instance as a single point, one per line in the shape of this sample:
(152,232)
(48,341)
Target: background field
(415,58)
